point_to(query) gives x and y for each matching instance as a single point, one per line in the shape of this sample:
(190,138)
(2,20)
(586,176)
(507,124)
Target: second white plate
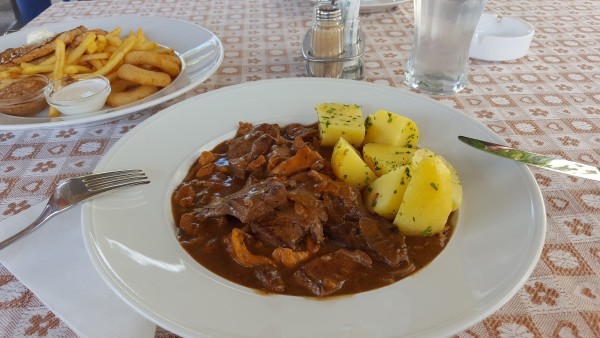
(372,6)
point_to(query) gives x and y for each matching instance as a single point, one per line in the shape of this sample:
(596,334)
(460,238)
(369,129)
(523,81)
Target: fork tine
(116,185)
(115,180)
(110,174)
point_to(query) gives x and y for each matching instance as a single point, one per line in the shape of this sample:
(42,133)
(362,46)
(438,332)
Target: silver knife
(542,161)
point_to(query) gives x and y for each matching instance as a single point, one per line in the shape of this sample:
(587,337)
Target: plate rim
(455,327)
(113,115)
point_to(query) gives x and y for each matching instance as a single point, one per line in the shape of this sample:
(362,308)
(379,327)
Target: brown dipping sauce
(275,186)
(23,95)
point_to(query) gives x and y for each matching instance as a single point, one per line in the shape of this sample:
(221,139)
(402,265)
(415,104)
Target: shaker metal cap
(328,12)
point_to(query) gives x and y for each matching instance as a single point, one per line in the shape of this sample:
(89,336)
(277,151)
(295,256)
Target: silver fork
(79,189)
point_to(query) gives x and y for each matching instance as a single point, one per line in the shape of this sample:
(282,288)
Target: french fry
(27,64)
(144,46)
(76,53)
(10,71)
(141,36)
(58,71)
(110,48)
(101,43)
(53,112)
(118,55)
(97,64)
(92,48)
(37,69)
(49,61)
(115,32)
(114,40)
(94,56)
(76,69)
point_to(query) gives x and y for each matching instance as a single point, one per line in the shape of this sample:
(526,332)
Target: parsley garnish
(427,232)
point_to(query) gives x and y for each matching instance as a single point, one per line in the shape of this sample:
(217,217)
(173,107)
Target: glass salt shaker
(327,42)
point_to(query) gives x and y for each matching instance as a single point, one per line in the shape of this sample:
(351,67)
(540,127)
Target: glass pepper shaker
(327,42)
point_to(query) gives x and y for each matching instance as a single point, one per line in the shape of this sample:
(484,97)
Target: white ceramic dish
(372,6)
(78,94)
(500,38)
(200,50)
(130,235)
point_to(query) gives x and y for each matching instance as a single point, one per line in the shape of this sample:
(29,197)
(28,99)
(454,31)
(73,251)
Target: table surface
(547,101)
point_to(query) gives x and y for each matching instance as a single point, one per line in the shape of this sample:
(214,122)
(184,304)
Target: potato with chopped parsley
(384,195)
(385,127)
(457,191)
(454,179)
(383,158)
(340,120)
(427,201)
(349,166)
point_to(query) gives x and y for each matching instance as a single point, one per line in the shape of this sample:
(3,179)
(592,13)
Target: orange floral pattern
(540,294)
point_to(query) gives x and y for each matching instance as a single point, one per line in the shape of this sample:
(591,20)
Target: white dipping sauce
(81,97)
(78,90)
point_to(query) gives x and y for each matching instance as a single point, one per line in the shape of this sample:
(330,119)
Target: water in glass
(442,37)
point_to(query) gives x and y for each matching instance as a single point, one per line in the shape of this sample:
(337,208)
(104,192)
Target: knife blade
(538,160)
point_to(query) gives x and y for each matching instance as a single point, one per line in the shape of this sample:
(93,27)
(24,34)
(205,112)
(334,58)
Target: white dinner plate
(200,50)
(131,239)
(372,6)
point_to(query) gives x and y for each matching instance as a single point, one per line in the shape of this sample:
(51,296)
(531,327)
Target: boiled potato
(422,153)
(455,180)
(348,165)
(383,158)
(457,191)
(389,128)
(384,195)
(427,201)
(337,120)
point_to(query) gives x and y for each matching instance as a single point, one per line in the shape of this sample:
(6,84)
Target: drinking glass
(443,31)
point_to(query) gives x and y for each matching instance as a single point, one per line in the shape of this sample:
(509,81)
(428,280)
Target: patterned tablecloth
(547,101)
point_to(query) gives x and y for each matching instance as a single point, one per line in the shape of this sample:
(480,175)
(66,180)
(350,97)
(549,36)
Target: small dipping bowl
(499,38)
(78,94)
(23,95)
